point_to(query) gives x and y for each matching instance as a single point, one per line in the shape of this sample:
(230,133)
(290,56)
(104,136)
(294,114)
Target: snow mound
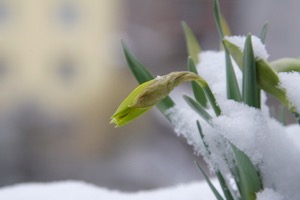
(258,47)
(76,190)
(290,82)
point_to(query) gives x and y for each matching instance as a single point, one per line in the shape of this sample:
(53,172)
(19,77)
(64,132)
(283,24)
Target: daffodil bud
(148,94)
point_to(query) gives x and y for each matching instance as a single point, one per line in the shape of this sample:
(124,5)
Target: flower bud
(148,94)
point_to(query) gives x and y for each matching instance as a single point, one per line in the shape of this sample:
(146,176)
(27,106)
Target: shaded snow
(291,83)
(273,148)
(83,191)
(259,48)
(269,194)
(212,69)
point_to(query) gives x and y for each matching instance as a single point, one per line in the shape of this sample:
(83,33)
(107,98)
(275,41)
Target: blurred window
(67,69)
(3,68)
(5,13)
(68,14)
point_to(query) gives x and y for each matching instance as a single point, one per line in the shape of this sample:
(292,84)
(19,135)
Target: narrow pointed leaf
(282,115)
(225,26)
(192,44)
(198,91)
(220,177)
(198,108)
(217,17)
(263,33)
(142,75)
(235,52)
(212,100)
(202,136)
(248,182)
(233,91)
(250,88)
(212,187)
(138,70)
(267,78)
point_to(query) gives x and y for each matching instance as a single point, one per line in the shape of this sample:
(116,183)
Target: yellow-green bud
(148,94)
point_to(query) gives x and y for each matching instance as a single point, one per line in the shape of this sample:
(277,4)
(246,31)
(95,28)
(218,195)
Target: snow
(212,69)
(243,126)
(290,81)
(274,149)
(268,194)
(258,47)
(292,132)
(81,191)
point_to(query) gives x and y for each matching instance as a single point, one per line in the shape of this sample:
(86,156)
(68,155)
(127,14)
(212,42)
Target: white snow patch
(269,194)
(212,68)
(184,122)
(293,133)
(258,47)
(266,142)
(270,146)
(243,126)
(82,191)
(291,83)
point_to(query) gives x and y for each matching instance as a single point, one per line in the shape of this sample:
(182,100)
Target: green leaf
(217,17)
(269,81)
(286,65)
(142,75)
(138,70)
(248,179)
(212,187)
(233,91)
(202,136)
(212,100)
(220,177)
(198,108)
(193,46)
(225,26)
(198,91)
(263,33)
(250,88)
(267,78)
(224,186)
(222,25)
(235,52)
(282,115)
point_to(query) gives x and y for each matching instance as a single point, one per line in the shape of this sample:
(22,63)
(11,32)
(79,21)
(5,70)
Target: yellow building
(59,81)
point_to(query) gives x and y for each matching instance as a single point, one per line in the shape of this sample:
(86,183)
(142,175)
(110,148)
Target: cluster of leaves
(257,74)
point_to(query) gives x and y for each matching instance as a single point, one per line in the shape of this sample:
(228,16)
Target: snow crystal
(291,83)
(80,191)
(269,194)
(258,47)
(212,68)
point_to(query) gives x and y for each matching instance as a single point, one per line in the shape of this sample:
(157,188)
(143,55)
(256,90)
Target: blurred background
(62,75)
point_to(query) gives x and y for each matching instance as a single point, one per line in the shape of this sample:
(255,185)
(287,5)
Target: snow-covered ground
(83,191)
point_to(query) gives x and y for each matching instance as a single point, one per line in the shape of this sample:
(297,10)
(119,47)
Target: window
(66,69)
(5,13)
(68,14)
